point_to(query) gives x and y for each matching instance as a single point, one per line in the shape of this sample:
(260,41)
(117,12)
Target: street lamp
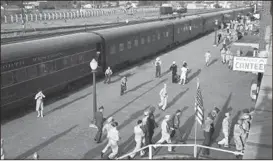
(94,66)
(216,25)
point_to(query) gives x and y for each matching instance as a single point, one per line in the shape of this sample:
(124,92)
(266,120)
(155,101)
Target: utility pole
(23,16)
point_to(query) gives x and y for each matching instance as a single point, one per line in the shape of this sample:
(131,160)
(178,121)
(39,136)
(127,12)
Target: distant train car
(53,63)
(47,64)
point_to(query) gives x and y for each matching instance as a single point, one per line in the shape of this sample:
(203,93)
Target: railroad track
(7,38)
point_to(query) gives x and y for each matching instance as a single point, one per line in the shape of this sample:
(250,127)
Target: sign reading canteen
(249,64)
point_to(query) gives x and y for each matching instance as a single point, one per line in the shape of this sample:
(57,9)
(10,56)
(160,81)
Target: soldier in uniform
(184,72)
(39,103)
(108,125)
(123,86)
(139,136)
(165,132)
(163,98)
(219,38)
(158,67)
(246,127)
(108,74)
(237,134)
(225,129)
(223,55)
(208,128)
(173,68)
(35,156)
(230,63)
(174,123)
(113,139)
(207,57)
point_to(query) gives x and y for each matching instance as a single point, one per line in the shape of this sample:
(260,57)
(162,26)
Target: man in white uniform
(39,103)
(207,57)
(183,77)
(113,138)
(225,128)
(165,132)
(139,135)
(163,97)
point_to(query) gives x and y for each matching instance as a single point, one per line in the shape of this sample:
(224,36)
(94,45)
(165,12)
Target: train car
(183,28)
(47,64)
(209,20)
(134,42)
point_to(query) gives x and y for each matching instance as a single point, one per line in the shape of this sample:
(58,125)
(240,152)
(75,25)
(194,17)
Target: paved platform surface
(64,133)
(80,21)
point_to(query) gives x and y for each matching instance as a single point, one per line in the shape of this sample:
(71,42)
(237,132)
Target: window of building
(148,39)
(32,72)
(129,44)
(142,40)
(121,47)
(6,79)
(113,49)
(136,42)
(20,75)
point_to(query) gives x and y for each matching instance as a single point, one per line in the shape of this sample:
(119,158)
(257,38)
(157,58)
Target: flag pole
(195,147)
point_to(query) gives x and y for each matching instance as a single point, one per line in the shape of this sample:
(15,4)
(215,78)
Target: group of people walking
(240,130)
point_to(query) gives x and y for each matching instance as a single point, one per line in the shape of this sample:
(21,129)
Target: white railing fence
(195,146)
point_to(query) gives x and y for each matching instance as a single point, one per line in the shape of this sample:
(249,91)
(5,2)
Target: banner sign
(249,64)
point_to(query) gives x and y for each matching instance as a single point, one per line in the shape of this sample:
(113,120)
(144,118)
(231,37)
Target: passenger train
(51,64)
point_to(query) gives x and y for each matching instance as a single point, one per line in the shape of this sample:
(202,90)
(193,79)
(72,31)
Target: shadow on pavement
(44,144)
(195,74)
(138,86)
(213,61)
(176,98)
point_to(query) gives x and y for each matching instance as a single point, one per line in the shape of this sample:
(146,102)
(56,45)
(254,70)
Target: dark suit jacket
(173,68)
(174,121)
(99,119)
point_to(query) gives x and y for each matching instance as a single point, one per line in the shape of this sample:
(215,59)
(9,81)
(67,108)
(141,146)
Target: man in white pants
(113,138)
(163,97)
(165,132)
(139,136)
(207,57)
(39,103)
(225,128)
(183,76)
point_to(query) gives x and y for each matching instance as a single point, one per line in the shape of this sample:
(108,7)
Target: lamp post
(216,25)
(93,66)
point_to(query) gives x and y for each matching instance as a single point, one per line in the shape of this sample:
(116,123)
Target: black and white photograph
(136,80)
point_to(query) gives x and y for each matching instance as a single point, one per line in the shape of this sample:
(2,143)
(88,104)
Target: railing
(195,146)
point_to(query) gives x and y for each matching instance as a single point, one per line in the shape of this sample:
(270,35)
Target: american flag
(199,109)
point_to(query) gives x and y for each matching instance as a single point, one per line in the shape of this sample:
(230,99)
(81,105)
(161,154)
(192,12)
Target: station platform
(64,132)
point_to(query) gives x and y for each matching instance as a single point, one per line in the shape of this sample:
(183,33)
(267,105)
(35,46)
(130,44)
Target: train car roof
(110,34)
(11,52)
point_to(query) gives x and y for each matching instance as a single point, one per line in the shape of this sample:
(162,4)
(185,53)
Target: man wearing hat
(165,132)
(208,131)
(158,67)
(99,123)
(225,129)
(139,136)
(237,135)
(113,138)
(175,124)
(149,125)
(108,125)
(246,127)
(163,97)
(173,68)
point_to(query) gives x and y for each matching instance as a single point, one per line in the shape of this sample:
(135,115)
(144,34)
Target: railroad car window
(121,47)
(136,42)
(32,72)
(98,47)
(66,61)
(153,38)
(178,30)
(129,44)
(50,66)
(74,59)
(142,40)
(158,36)
(20,75)
(59,64)
(167,33)
(148,39)
(6,79)
(113,49)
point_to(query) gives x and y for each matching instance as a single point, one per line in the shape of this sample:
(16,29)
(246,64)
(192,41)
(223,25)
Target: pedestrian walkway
(64,133)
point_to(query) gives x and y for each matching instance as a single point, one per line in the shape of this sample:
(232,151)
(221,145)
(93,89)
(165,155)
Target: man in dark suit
(174,123)
(173,68)
(99,123)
